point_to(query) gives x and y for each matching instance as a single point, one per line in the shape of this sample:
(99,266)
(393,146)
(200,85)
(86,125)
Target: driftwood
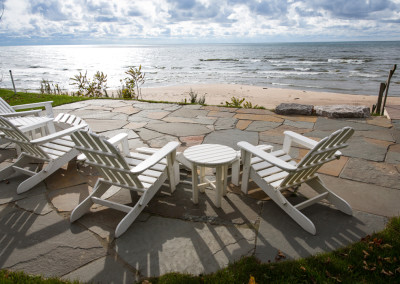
(391,72)
(379,108)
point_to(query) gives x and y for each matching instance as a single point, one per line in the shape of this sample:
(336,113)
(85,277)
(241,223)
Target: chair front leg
(84,207)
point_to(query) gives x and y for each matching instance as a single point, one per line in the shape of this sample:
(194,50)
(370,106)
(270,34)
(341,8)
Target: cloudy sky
(196,21)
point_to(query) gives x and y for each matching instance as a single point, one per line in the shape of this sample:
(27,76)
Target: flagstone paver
(173,234)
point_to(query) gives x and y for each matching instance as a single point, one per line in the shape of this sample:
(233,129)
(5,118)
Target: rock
(343,111)
(298,109)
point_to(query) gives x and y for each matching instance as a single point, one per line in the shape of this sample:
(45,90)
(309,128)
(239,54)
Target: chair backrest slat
(15,135)
(106,158)
(5,107)
(323,152)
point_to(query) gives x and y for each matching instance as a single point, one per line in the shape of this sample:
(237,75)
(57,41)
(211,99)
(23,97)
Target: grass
(374,259)
(26,98)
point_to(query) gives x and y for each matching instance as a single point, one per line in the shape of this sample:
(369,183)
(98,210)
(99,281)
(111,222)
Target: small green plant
(90,88)
(237,102)
(193,99)
(135,79)
(46,87)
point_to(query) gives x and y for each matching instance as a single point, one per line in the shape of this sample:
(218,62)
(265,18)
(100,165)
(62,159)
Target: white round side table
(212,156)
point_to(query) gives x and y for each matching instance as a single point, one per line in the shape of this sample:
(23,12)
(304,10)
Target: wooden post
(379,103)
(12,79)
(391,72)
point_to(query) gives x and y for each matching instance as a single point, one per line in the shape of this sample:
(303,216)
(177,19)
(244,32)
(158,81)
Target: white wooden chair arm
(155,158)
(21,113)
(58,134)
(301,139)
(266,156)
(48,106)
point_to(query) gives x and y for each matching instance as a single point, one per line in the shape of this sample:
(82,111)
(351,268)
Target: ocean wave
(346,60)
(220,59)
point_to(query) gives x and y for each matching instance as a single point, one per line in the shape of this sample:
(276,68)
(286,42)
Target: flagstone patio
(173,234)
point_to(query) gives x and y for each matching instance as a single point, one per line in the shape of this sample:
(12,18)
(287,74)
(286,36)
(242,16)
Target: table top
(210,154)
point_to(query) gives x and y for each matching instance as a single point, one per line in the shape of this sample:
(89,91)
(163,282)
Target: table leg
(225,179)
(202,177)
(194,184)
(219,184)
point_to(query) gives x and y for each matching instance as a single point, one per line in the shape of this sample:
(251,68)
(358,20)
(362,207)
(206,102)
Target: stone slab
(231,137)
(8,192)
(279,232)
(189,112)
(103,270)
(327,124)
(381,174)
(102,125)
(261,117)
(371,198)
(364,148)
(179,129)
(393,155)
(225,123)
(299,124)
(170,245)
(262,125)
(47,245)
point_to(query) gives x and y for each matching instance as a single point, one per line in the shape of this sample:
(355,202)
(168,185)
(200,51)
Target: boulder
(343,111)
(298,109)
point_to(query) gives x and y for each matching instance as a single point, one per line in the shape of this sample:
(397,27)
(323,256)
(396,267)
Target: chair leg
(85,205)
(129,218)
(47,171)
(9,170)
(342,205)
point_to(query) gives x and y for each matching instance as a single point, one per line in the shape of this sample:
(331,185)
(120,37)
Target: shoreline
(218,94)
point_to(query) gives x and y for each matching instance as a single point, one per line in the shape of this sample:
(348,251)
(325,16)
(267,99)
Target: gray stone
(280,232)
(198,120)
(360,147)
(136,143)
(8,192)
(299,124)
(370,198)
(343,111)
(161,141)
(47,245)
(225,123)
(36,204)
(179,129)
(327,124)
(146,134)
(92,114)
(101,125)
(262,125)
(299,109)
(189,112)
(231,137)
(371,172)
(163,245)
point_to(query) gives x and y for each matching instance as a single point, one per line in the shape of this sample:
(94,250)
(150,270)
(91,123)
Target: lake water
(343,67)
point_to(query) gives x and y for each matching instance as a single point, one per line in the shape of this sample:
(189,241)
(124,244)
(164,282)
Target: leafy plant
(237,102)
(46,87)
(135,79)
(193,99)
(90,88)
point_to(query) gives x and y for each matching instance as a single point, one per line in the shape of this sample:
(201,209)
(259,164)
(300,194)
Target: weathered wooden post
(391,72)
(12,80)
(379,103)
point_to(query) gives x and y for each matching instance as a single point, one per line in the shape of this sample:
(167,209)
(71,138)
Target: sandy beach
(217,94)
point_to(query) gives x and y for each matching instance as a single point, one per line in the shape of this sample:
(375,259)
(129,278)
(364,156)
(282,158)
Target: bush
(134,80)
(91,88)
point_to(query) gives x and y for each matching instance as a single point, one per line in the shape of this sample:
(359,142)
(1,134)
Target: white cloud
(69,21)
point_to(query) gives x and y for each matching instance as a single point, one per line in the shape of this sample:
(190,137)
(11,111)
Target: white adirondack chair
(30,117)
(55,149)
(276,171)
(142,172)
